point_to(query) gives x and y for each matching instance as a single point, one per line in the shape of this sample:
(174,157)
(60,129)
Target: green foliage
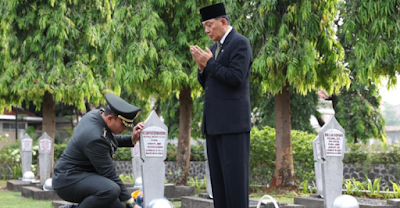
(171,152)
(16,171)
(127,178)
(60,47)
(171,115)
(373,188)
(302,107)
(58,150)
(358,111)
(370,189)
(123,154)
(354,187)
(262,154)
(370,35)
(306,188)
(367,155)
(396,190)
(11,155)
(292,39)
(198,184)
(197,153)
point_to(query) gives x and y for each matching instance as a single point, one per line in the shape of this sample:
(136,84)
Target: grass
(12,199)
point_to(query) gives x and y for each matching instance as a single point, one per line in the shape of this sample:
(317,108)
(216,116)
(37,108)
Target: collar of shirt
(226,34)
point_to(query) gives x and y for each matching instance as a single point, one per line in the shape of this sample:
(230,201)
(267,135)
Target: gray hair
(225,17)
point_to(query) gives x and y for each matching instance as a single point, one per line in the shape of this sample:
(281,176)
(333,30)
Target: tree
(371,28)
(294,45)
(369,36)
(160,33)
(302,106)
(357,110)
(54,52)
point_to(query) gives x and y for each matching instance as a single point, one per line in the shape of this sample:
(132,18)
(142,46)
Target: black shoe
(68,206)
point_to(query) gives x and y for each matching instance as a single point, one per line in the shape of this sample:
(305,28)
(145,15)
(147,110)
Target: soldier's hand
(136,132)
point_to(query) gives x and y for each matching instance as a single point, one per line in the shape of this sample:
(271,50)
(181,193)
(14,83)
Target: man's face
(115,125)
(214,28)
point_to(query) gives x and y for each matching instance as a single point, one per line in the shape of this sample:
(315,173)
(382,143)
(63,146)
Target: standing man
(224,74)
(85,173)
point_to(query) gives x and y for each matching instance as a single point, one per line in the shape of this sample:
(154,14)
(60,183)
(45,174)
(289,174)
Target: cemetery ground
(13,199)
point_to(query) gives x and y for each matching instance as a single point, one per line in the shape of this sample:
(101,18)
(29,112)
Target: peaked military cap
(125,111)
(213,11)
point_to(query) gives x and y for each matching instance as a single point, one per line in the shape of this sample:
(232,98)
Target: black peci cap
(122,109)
(213,11)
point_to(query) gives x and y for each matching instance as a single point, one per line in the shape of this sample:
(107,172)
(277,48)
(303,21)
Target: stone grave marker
(137,161)
(332,140)
(153,150)
(207,170)
(317,165)
(26,153)
(45,145)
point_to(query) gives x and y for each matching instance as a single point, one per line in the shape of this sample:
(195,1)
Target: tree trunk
(284,177)
(49,121)
(183,151)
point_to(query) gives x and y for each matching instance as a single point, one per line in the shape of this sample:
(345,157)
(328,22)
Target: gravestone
(26,153)
(207,170)
(137,161)
(317,165)
(45,145)
(153,146)
(332,141)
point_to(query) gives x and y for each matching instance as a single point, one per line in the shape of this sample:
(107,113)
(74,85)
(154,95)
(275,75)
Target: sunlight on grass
(12,199)
(284,198)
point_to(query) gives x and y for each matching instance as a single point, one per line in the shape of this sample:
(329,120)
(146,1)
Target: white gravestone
(153,150)
(333,141)
(45,145)
(317,165)
(26,153)
(137,161)
(207,170)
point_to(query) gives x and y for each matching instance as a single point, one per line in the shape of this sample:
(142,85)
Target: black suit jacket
(226,81)
(89,152)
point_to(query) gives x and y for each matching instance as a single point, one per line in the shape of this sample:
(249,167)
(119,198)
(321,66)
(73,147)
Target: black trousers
(94,191)
(228,158)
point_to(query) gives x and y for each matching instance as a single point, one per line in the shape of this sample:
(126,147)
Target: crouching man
(85,173)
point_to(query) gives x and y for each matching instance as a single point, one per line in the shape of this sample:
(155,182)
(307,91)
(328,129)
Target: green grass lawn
(12,199)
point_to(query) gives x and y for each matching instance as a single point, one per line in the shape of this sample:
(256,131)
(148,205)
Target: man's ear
(109,117)
(224,21)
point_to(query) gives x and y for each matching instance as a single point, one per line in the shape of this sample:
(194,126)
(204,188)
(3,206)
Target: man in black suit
(224,73)
(85,173)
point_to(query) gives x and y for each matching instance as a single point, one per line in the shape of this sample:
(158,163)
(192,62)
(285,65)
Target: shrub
(262,155)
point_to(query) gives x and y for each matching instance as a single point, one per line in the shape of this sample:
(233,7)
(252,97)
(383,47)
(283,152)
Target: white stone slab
(26,153)
(318,165)
(45,146)
(207,170)
(137,161)
(333,142)
(153,151)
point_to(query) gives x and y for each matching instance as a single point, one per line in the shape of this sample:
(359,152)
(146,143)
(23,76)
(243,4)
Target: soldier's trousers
(94,191)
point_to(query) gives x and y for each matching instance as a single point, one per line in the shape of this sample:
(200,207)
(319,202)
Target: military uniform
(85,173)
